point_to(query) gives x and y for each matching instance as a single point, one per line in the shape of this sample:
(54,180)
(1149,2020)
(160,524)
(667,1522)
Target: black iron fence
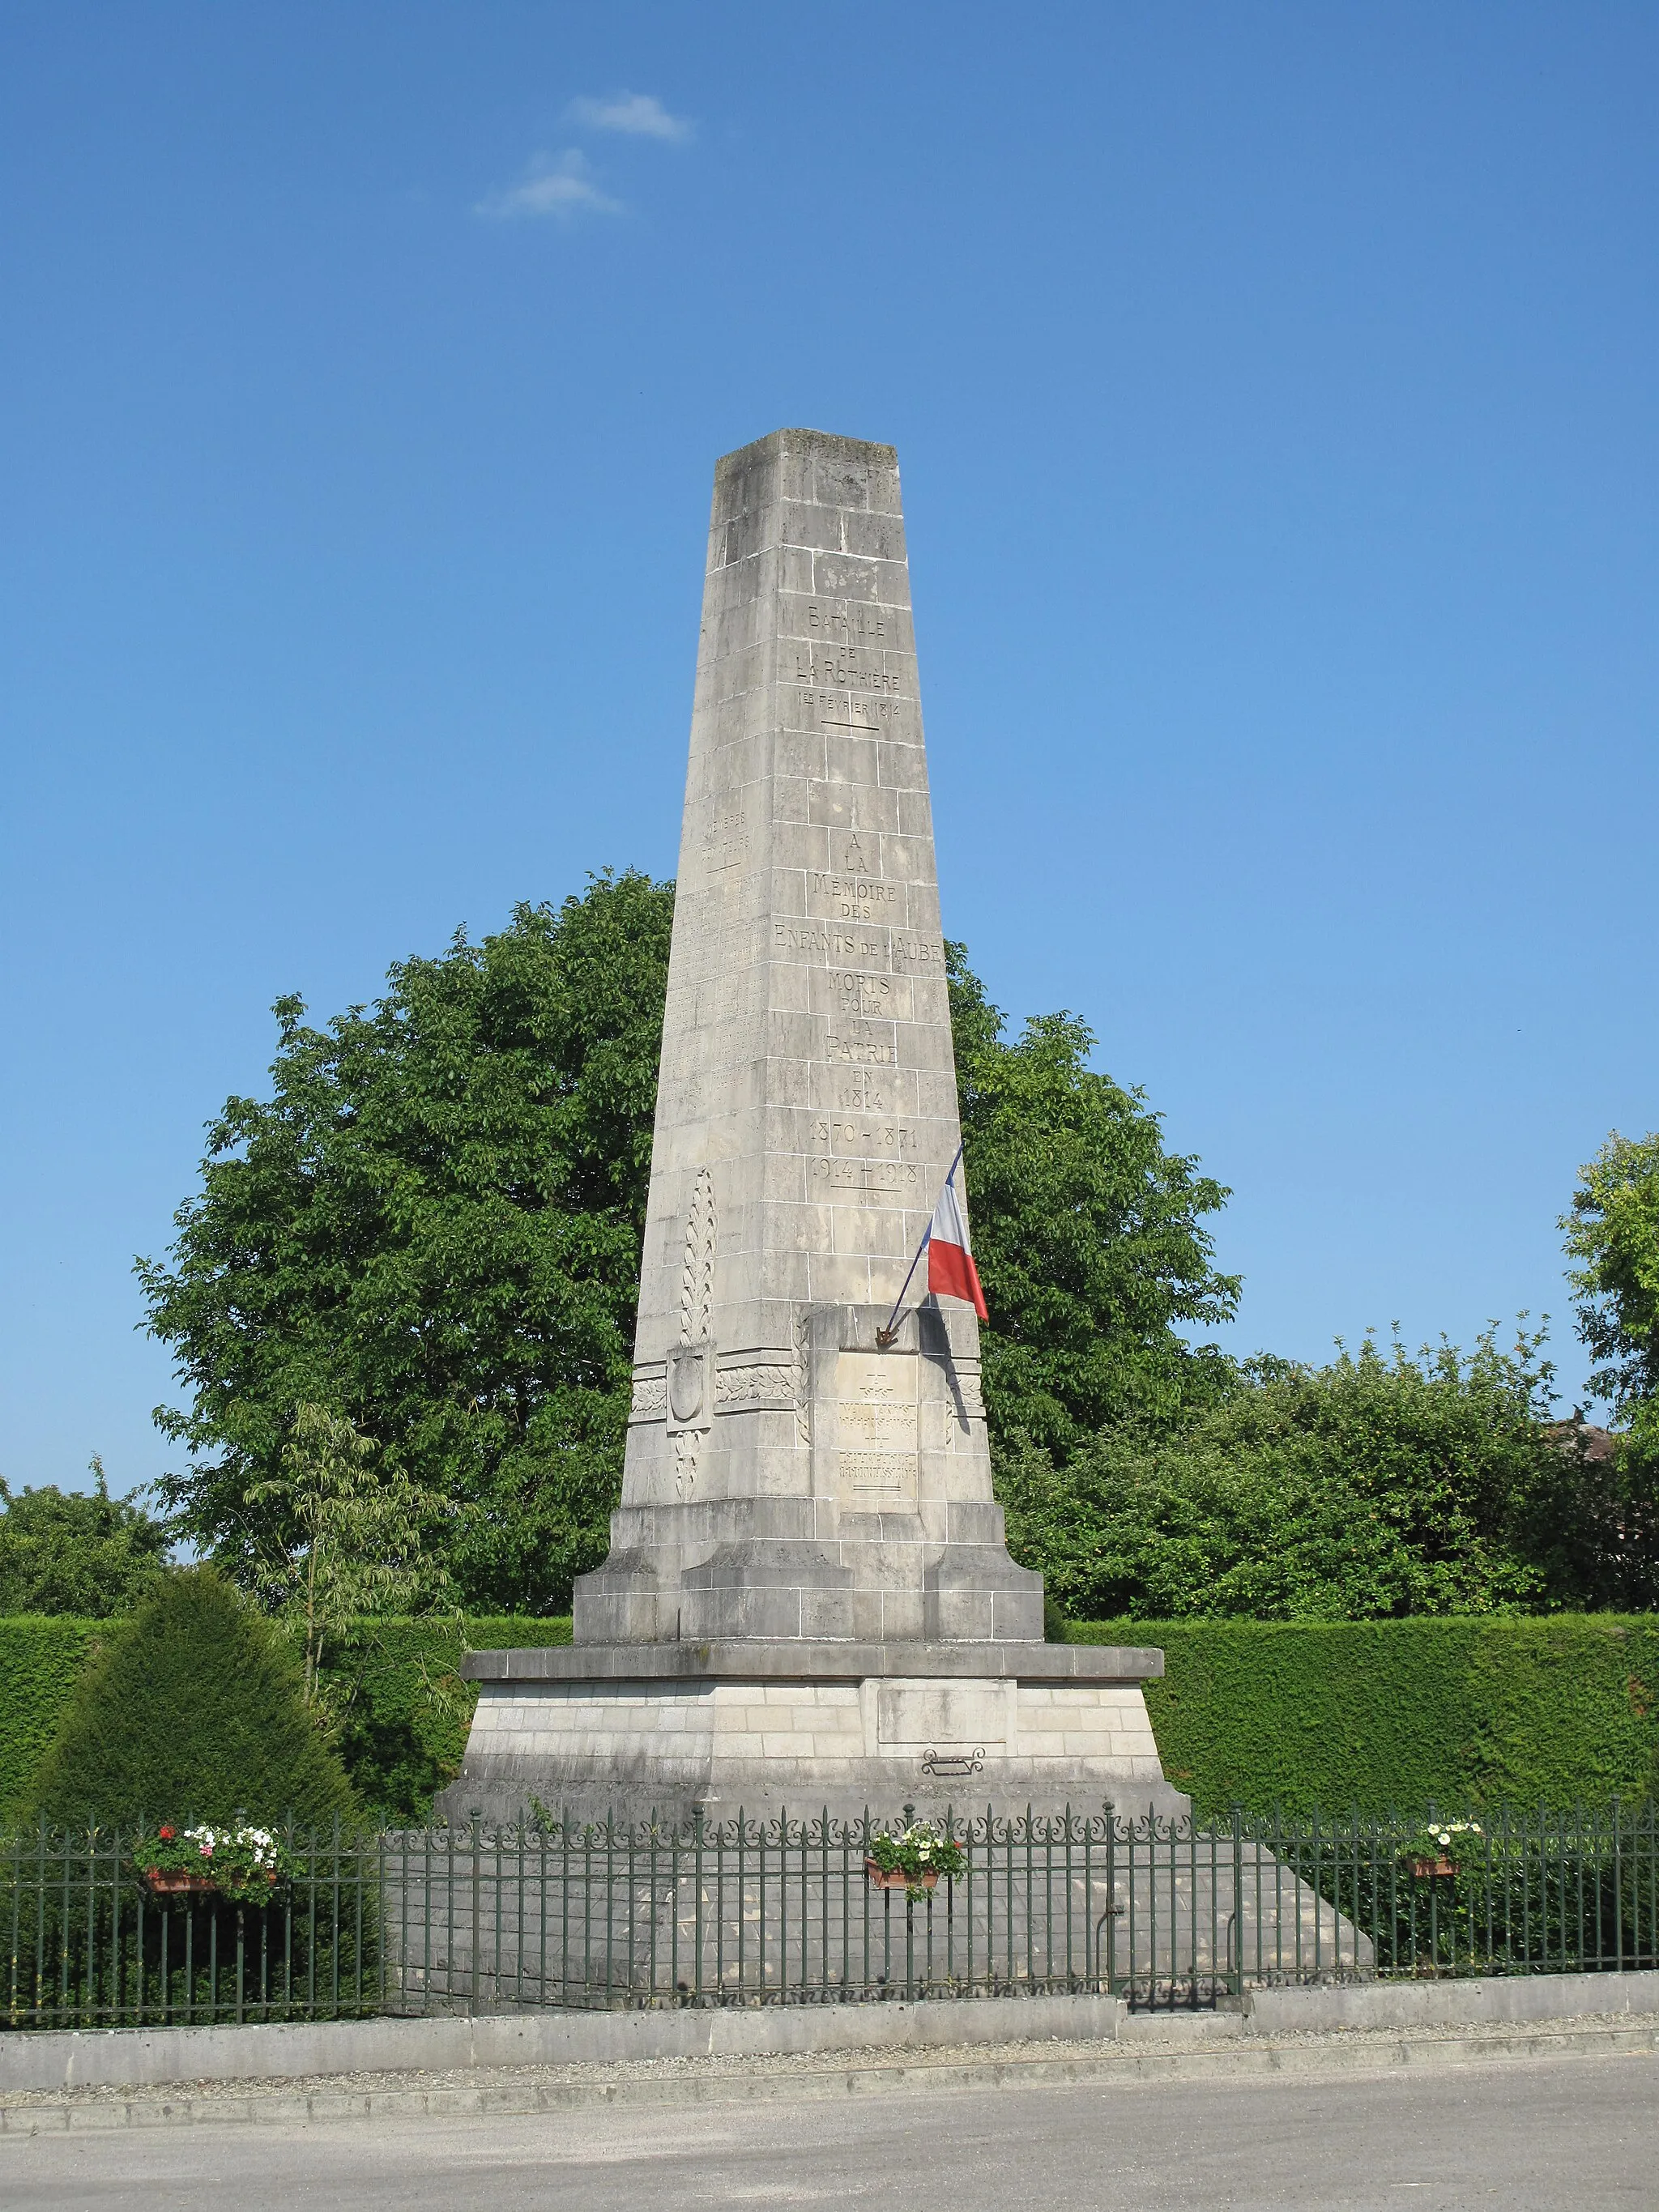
(549,1913)
(90,1944)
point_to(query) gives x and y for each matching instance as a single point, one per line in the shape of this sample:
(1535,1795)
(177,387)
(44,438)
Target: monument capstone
(808,1598)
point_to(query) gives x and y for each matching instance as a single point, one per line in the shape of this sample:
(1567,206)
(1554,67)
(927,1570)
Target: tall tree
(1613,1232)
(431,1233)
(1088,1234)
(432,1228)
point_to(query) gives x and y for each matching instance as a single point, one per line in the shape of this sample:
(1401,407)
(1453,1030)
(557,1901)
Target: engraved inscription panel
(853,710)
(876,998)
(837,619)
(845,666)
(854,898)
(873,1179)
(855,1045)
(725,838)
(910,1715)
(821,941)
(869,1139)
(877,1421)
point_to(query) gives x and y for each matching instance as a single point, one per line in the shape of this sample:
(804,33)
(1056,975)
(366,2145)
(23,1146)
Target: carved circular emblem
(685,1384)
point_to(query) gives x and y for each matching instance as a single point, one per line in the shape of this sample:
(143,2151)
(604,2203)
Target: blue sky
(1274,390)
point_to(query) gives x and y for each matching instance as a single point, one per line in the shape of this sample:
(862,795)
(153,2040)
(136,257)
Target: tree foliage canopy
(1088,1234)
(77,1552)
(432,1229)
(1377,1486)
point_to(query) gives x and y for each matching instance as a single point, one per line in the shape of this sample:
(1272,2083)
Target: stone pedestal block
(766,1727)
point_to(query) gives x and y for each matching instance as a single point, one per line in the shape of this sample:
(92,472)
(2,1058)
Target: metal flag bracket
(886,1338)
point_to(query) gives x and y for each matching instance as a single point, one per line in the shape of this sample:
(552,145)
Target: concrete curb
(1238,2060)
(69,2060)
(1447,2004)
(142,2058)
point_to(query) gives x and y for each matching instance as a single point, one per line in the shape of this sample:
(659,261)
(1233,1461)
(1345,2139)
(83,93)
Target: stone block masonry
(864,1737)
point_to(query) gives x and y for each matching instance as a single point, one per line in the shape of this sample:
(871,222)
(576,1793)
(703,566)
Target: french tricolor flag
(951,1270)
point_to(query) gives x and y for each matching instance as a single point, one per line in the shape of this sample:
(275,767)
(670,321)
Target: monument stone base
(638,1730)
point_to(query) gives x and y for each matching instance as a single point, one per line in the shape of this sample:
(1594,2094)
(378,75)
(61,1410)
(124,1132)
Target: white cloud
(639,114)
(562,187)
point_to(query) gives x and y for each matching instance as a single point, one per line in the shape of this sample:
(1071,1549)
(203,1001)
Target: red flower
(166,1834)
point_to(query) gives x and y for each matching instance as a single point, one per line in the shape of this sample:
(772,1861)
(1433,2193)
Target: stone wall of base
(636,1748)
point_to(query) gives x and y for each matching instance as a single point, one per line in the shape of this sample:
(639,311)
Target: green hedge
(1397,1713)
(41,1660)
(1298,1713)
(398,1747)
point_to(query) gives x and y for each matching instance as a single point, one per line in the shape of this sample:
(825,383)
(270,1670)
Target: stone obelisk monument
(808,1599)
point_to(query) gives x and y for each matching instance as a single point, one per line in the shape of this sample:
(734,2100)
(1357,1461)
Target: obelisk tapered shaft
(785,1476)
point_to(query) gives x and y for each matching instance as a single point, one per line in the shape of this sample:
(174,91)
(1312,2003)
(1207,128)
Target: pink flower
(206,1851)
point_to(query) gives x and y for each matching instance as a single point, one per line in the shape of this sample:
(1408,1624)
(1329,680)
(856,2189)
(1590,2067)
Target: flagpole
(884,1337)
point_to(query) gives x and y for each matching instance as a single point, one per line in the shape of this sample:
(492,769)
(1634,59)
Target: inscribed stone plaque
(876,1410)
(937,1716)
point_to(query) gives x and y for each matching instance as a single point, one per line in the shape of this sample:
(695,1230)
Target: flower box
(166,1881)
(1425,1867)
(883,1877)
(243,1865)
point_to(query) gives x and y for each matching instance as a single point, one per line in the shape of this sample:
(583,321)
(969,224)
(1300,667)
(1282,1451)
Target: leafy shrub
(193,1710)
(1379,1485)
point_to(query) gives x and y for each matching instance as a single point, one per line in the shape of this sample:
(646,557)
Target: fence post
(1110,1915)
(475,1831)
(697,1840)
(1235,1941)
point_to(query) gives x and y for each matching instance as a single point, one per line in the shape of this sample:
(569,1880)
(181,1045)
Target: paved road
(1567,2132)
